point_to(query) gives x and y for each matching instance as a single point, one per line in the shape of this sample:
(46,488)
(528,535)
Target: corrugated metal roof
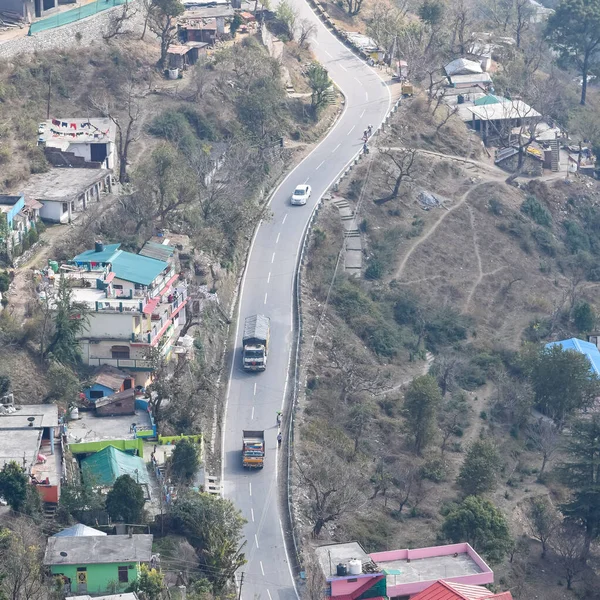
(118,397)
(158,251)
(448,590)
(105,256)
(510,109)
(78,530)
(462,65)
(583,347)
(487,99)
(470,78)
(104,467)
(136,268)
(110,377)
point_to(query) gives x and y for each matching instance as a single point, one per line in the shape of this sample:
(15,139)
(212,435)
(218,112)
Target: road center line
(284,218)
(357,79)
(335,148)
(252,514)
(269,594)
(252,415)
(362,114)
(269,277)
(320,166)
(279,234)
(328,54)
(353,128)
(367,96)
(343,67)
(256,540)
(255,388)
(265,298)
(273,258)
(261,567)
(250,487)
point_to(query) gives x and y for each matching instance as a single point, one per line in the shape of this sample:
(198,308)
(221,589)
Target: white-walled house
(65,192)
(136,303)
(79,143)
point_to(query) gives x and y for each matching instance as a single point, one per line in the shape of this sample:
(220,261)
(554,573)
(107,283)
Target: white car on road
(301,195)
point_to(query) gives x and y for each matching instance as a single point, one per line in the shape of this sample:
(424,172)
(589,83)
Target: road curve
(267,288)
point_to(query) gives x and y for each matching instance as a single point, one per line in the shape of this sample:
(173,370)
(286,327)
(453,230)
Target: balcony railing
(122,363)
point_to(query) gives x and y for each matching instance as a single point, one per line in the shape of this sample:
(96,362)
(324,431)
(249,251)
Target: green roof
(488,99)
(158,251)
(104,467)
(105,256)
(136,268)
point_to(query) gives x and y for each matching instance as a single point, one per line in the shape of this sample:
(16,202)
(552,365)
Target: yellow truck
(253,449)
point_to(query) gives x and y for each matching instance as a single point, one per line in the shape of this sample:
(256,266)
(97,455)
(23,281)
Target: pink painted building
(352,574)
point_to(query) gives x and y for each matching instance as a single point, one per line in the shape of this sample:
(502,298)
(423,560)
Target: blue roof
(587,348)
(104,467)
(136,268)
(105,256)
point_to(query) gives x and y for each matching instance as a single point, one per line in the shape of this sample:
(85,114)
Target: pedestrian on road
(370,129)
(278,417)
(365,148)
(279,438)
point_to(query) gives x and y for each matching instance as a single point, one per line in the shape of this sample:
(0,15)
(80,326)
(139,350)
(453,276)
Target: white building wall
(112,325)
(53,211)
(127,286)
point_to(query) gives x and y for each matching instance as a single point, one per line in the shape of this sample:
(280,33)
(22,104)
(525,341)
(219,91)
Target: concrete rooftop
(62,185)
(44,415)
(90,428)
(101,549)
(432,568)
(19,445)
(331,555)
(103,128)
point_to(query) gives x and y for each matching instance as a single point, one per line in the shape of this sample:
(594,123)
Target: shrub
(374,270)
(584,317)
(433,469)
(446,326)
(544,240)
(576,239)
(495,207)
(536,212)
(4,155)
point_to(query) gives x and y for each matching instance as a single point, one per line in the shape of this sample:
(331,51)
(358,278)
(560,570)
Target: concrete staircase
(58,158)
(554,160)
(352,241)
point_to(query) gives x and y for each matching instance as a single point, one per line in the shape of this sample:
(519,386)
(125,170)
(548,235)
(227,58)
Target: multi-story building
(136,303)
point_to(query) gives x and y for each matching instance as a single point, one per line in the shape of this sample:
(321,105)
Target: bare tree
(542,521)
(398,167)
(163,22)
(569,545)
(21,572)
(406,482)
(360,417)
(545,438)
(381,480)
(353,6)
(307,30)
(461,20)
(125,114)
(452,418)
(523,14)
(334,488)
(117,20)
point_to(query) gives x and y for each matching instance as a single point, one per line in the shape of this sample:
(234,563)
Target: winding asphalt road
(267,288)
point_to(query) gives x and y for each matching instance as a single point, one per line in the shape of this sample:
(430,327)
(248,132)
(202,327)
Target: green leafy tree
(479,471)
(214,527)
(77,498)
(150,583)
(561,381)
(13,485)
(581,473)
(288,16)
(318,79)
(478,522)
(125,501)
(185,460)
(162,20)
(421,403)
(584,317)
(235,24)
(70,320)
(4,280)
(542,521)
(574,31)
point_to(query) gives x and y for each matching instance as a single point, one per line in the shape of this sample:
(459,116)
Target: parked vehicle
(301,194)
(255,343)
(253,449)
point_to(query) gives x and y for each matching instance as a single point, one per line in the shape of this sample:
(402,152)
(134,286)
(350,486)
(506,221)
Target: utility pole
(241,584)
(49,93)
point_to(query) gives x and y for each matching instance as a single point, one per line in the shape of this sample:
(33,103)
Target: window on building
(117,286)
(123,575)
(95,394)
(120,352)
(65,207)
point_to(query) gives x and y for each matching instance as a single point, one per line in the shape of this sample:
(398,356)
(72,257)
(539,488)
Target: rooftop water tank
(341,570)
(355,567)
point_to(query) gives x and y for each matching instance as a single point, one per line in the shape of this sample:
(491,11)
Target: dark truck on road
(255,343)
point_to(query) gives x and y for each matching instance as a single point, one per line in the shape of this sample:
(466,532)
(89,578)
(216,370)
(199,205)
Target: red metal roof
(446,590)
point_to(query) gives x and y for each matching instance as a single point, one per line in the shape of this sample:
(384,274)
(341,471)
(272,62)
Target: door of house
(82,580)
